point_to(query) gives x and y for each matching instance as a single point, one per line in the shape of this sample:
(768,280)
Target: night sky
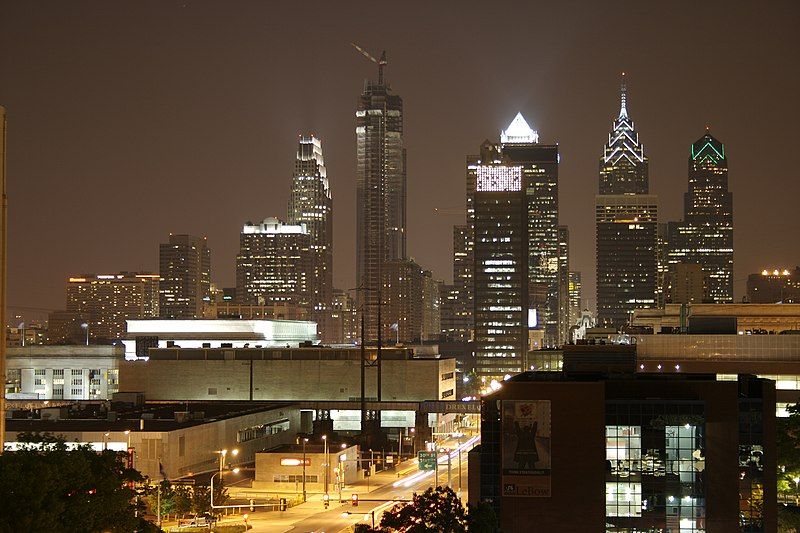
(130,120)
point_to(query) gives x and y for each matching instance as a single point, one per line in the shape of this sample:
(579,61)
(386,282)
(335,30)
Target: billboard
(526,459)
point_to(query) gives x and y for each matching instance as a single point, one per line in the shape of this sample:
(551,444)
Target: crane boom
(365,53)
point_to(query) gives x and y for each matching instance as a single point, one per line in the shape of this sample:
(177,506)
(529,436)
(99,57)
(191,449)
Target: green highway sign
(427,460)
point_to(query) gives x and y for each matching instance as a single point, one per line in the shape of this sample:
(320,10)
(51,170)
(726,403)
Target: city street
(386,488)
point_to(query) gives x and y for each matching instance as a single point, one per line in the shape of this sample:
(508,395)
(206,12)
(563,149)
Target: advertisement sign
(526,448)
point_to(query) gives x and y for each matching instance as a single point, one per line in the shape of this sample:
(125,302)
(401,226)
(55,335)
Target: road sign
(427,460)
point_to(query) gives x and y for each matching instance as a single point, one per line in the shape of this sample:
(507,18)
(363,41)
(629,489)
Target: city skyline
(78,172)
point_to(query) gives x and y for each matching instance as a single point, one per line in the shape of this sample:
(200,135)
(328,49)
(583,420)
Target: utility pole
(3,277)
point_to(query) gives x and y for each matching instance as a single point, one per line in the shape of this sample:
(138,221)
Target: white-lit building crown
(519,132)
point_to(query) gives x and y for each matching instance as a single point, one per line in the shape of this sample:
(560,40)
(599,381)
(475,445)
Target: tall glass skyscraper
(512,208)
(705,236)
(310,204)
(626,225)
(185,269)
(380,191)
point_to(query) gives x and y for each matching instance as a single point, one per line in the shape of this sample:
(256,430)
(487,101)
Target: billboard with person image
(526,448)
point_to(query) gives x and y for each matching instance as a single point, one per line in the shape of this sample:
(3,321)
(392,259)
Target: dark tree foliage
(481,518)
(45,487)
(787,444)
(435,510)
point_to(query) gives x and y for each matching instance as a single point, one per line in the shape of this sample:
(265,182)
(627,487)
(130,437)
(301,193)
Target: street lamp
(85,326)
(796,485)
(128,434)
(305,440)
(325,458)
(220,473)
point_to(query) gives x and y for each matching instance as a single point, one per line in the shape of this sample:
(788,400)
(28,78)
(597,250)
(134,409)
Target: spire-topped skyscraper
(623,167)
(310,203)
(627,224)
(381,191)
(705,236)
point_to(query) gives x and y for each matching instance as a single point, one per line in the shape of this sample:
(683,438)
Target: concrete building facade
(329,374)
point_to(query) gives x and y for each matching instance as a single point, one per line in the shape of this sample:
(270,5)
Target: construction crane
(382,62)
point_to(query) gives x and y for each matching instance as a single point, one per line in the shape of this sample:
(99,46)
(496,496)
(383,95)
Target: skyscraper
(403,301)
(431,307)
(380,191)
(519,160)
(310,204)
(626,219)
(185,269)
(501,270)
(563,285)
(462,283)
(575,297)
(273,266)
(705,236)
(110,299)
(519,145)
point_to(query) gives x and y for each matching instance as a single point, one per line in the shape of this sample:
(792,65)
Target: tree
(435,510)
(787,447)
(46,487)
(481,518)
(167,498)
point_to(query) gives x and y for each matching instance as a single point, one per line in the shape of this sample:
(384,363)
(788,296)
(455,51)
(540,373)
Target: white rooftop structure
(519,132)
(199,333)
(273,225)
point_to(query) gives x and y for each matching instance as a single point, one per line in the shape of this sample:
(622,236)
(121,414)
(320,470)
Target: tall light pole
(3,277)
(325,458)
(220,473)
(305,440)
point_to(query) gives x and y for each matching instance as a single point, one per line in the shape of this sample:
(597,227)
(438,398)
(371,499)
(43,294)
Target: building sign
(291,461)
(526,448)
(427,460)
(499,179)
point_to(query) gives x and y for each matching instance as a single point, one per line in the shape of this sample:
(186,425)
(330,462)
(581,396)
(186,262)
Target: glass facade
(655,455)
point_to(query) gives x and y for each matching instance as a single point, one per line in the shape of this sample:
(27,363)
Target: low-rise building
(169,440)
(281,469)
(606,449)
(221,333)
(312,373)
(62,372)
(767,318)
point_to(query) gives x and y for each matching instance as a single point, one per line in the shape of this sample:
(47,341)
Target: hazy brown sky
(130,120)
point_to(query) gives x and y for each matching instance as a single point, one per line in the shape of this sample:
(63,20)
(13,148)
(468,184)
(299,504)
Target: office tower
(501,269)
(402,291)
(449,324)
(626,219)
(185,269)
(431,307)
(380,191)
(310,203)
(274,265)
(462,283)
(344,318)
(662,262)
(539,162)
(705,236)
(686,284)
(575,297)
(111,299)
(626,256)
(773,286)
(563,285)
(519,146)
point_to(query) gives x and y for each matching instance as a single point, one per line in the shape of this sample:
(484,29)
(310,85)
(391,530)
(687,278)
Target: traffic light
(283,504)
(326,500)
(251,505)
(354,500)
